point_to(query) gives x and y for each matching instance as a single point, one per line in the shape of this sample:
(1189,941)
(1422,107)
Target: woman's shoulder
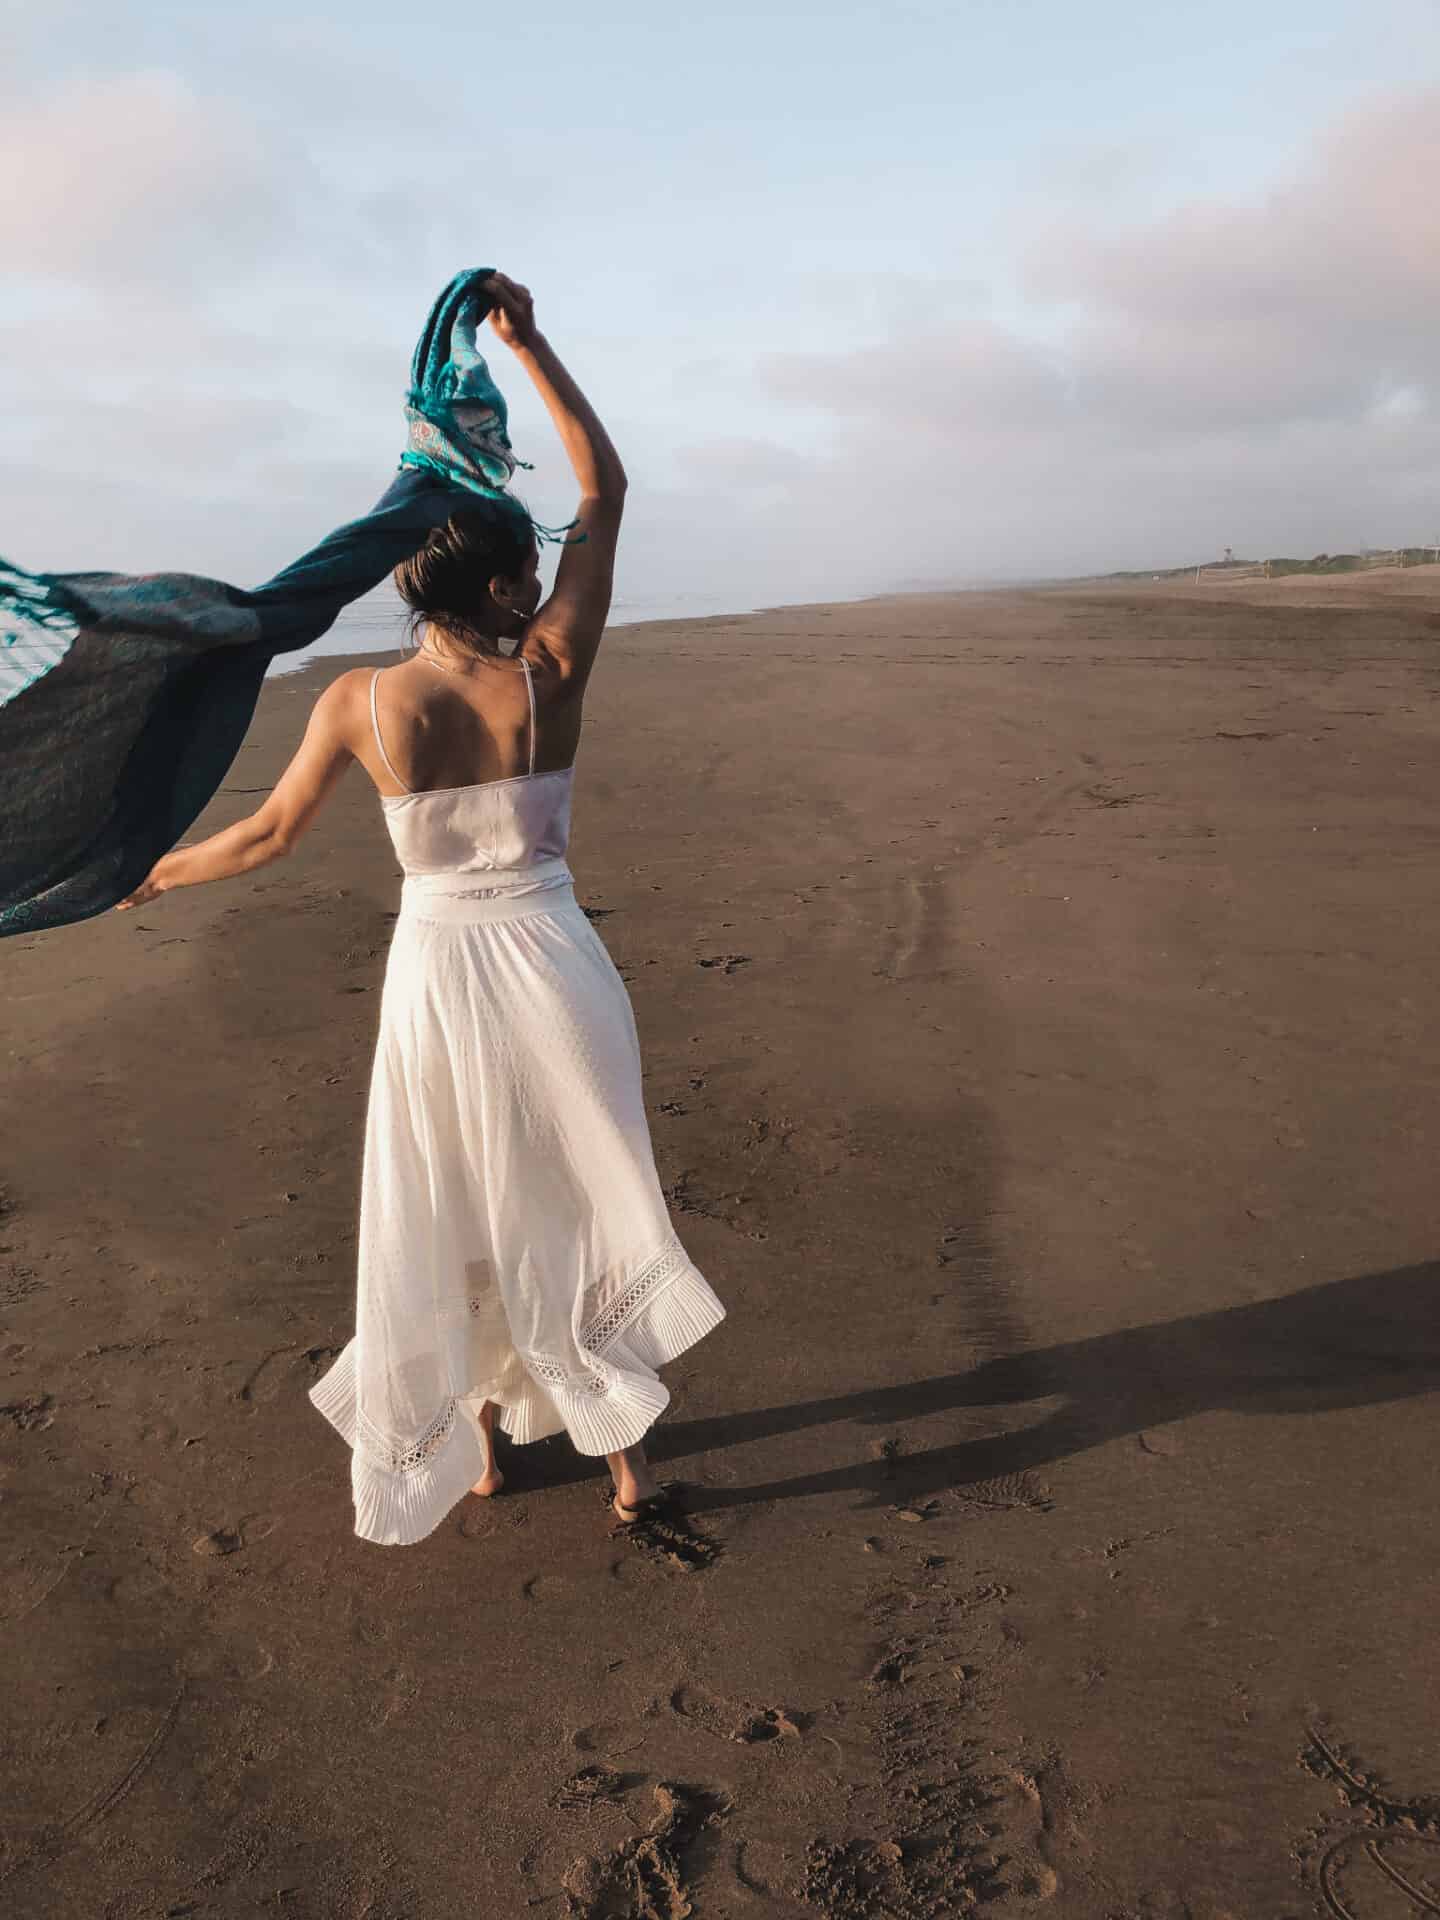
(353,679)
(345,693)
(356,682)
(343,704)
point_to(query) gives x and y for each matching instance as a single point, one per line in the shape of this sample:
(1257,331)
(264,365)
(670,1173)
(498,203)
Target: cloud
(971,375)
(137,183)
(744,463)
(1314,304)
(133,177)
(213,310)
(1263,373)
(197,344)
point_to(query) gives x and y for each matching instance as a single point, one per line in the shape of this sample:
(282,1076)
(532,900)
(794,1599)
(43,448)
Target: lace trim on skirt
(606,1326)
(393,1456)
(404,1485)
(612,1320)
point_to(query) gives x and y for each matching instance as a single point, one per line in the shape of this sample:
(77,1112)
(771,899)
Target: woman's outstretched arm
(568,628)
(274,828)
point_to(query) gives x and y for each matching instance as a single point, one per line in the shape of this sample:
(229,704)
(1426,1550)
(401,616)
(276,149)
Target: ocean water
(376,624)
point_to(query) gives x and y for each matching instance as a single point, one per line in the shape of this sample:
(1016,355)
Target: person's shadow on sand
(1350,1343)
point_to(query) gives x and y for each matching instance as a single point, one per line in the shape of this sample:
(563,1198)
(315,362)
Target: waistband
(464,899)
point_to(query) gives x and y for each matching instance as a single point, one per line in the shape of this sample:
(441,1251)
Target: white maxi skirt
(514,1242)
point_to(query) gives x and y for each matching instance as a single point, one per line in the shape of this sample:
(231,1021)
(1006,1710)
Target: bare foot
(629,1513)
(634,1480)
(492,1480)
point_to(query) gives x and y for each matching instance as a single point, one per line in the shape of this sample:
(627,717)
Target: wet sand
(1037,994)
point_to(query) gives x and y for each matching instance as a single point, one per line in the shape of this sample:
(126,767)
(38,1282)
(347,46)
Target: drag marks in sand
(930,1821)
(1383,1865)
(948,1825)
(927,1820)
(285,1371)
(53,1841)
(919,940)
(17,1281)
(680,1860)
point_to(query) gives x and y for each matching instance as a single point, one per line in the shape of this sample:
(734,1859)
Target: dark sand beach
(1037,995)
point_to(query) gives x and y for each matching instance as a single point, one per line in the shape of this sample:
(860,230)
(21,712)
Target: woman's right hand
(513,314)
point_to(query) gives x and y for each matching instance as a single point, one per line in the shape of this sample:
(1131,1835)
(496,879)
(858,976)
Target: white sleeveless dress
(514,1242)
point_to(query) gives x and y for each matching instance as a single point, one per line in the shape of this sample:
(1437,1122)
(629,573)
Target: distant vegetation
(1272,568)
(1356,562)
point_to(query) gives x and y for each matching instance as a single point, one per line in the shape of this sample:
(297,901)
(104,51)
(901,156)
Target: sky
(869,297)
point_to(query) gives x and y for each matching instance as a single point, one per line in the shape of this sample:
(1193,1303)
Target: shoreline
(614,626)
(1367,586)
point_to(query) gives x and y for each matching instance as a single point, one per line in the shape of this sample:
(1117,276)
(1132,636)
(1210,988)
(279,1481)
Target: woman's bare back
(453,727)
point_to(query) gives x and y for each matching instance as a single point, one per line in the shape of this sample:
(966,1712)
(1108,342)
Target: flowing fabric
(124,698)
(515,1244)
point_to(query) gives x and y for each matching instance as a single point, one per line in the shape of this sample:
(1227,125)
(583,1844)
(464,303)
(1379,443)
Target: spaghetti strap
(380,744)
(530,690)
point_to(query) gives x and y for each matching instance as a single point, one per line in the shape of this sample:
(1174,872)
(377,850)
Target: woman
(516,1261)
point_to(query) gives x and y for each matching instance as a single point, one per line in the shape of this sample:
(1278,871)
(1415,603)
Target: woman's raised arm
(569,626)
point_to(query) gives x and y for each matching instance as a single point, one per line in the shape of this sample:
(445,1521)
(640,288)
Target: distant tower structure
(1229,555)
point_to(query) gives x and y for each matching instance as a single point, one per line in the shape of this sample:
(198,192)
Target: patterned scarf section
(124,697)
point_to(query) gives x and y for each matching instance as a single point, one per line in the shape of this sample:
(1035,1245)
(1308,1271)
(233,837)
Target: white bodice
(499,826)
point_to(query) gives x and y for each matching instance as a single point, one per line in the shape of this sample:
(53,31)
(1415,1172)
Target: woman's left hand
(149,889)
(513,313)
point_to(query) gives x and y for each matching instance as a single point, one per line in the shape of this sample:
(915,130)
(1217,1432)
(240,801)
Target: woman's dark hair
(448,580)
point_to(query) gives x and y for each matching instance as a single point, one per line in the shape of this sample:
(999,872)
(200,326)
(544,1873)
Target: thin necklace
(423,653)
(459,672)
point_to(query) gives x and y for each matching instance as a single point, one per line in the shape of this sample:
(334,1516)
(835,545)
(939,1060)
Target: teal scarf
(124,698)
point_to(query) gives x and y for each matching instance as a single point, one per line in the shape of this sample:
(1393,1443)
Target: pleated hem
(617,1407)
(623,1399)
(399,1509)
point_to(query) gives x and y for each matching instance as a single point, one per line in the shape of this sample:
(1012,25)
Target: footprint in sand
(856,1877)
(765,1867)
(224,1540)
(727,1720)
(646,1877)
(1038,1812)
(1007,1493)
(228,1663)
(283,1367)
(665,1536)
(227,1540)
(31,1415)
(399,1690)
(591,1787)
(612,1738)
(545,1586)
